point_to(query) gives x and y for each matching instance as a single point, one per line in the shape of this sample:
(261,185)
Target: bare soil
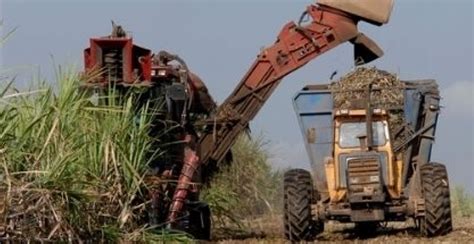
(270,230)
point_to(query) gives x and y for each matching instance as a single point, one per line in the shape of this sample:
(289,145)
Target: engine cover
(365,188)
(364,180)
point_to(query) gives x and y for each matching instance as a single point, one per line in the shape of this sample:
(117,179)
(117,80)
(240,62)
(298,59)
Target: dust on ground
(270,230)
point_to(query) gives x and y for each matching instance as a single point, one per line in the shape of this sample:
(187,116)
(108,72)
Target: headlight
(161,72)
(354,180)
(377,111)
(374,178)
(344,111)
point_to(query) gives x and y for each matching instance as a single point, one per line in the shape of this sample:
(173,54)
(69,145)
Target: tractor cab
(361,160)
(352,128)
(360,170)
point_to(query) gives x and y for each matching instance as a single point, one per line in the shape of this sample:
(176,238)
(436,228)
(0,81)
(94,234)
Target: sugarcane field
(309,121)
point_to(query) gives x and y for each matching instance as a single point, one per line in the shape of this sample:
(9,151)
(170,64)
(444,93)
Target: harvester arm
(296,45)
(332,23)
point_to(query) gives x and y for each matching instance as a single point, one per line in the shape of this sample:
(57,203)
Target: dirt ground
(269,230)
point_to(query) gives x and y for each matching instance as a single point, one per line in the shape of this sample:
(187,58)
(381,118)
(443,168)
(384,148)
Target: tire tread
(298,189)
(435,185)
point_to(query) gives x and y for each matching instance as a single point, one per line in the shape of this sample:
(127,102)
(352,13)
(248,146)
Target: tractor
(363,171)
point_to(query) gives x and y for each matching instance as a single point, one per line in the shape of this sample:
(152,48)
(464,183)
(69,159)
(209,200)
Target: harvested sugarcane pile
(386,93)
(387,89)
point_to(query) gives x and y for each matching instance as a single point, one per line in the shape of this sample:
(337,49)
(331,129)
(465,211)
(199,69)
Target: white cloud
(458,99)
(455,133)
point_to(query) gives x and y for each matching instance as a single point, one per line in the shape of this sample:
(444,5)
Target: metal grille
(363,173)
(113,64)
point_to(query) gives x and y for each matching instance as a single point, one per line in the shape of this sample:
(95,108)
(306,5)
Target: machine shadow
(367,234)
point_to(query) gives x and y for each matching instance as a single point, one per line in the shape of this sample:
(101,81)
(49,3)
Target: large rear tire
(298,194)
(434,182)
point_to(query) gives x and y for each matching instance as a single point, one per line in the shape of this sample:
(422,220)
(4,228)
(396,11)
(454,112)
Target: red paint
(134,58)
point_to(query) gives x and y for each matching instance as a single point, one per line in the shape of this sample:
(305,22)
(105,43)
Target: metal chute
(365,49)
(376,12)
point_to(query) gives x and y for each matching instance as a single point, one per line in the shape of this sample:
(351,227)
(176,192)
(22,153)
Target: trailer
(365,179)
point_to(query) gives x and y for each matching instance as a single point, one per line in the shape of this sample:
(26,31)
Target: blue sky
(220,40)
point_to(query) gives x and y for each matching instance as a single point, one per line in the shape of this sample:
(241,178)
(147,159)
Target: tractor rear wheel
(434,182)
(298,194)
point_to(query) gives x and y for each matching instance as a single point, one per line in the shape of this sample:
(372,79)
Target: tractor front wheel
(434,182)
(298,193)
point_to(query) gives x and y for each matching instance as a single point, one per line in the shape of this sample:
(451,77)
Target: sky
(220,40)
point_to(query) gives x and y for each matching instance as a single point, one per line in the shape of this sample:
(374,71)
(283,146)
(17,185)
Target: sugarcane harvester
(207,140)
(177,97)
